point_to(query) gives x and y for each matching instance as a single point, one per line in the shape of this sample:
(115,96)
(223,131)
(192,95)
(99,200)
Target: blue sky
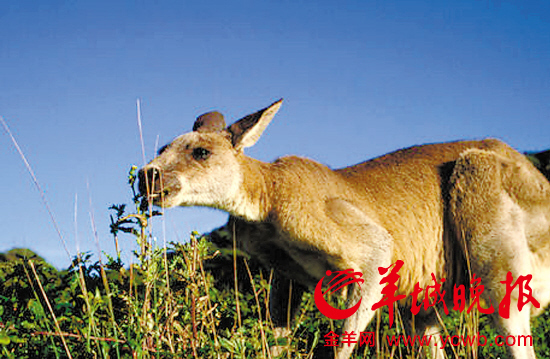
(359,78)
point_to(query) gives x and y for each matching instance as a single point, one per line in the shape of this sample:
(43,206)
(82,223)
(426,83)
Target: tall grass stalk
(37,185)
(45,297)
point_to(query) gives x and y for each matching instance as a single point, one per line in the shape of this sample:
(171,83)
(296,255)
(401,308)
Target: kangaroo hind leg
(491,220)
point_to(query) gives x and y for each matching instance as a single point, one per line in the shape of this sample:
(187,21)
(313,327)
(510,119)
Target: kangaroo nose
(148,177)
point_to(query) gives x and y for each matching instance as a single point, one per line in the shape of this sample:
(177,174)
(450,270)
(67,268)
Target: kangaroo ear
(209,122)
(246,131)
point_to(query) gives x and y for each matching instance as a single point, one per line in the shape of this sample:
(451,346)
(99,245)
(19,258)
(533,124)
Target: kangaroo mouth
(149,195)
(158,198)
(153,188)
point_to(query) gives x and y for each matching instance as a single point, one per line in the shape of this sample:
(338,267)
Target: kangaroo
(450,209)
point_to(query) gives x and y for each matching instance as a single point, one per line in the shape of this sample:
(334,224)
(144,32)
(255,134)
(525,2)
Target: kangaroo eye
(200,153)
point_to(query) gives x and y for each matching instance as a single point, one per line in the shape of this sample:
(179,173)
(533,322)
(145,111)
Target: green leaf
(4,339)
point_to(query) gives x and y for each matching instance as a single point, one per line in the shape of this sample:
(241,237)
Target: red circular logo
(341,280)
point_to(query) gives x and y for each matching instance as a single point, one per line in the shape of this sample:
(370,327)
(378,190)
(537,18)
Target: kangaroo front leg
(359,321)
(370,293)
(372,246)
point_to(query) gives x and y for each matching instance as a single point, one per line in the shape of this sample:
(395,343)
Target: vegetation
(191,300)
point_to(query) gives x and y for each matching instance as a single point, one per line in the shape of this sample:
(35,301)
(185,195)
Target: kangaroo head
(204,167)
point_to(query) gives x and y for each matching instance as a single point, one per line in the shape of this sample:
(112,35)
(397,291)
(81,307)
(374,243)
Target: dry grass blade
(57,327)
(77,336)
(264,339)
(37,185)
